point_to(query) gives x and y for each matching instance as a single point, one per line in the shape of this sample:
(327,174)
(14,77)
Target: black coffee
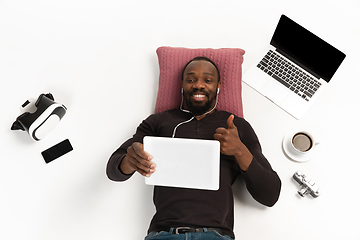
(302,142)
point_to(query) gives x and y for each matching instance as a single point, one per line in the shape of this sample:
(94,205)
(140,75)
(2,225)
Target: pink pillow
(172,61)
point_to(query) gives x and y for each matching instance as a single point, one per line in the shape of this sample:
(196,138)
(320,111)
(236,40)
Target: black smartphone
(57,150)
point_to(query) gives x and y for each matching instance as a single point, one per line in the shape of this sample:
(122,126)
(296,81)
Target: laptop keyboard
(289,75)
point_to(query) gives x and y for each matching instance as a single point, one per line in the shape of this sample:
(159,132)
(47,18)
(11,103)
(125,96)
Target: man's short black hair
(200,58)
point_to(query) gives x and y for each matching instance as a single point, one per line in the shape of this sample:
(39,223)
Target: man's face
(200,84)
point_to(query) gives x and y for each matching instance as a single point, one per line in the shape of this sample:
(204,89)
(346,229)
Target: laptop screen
(306,49)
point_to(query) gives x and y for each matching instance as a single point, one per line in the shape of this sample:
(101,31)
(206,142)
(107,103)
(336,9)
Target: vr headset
(39,123)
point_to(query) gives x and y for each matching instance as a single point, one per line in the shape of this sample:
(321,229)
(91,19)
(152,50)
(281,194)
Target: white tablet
(186,163)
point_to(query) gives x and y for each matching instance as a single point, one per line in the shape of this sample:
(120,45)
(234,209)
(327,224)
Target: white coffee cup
(302,142)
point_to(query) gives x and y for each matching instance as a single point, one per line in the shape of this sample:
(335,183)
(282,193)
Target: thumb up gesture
(230,144)
(228,138)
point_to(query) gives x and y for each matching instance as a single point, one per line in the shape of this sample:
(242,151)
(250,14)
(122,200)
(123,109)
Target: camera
(307,185)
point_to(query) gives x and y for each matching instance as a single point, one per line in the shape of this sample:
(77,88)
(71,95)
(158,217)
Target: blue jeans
(206,235)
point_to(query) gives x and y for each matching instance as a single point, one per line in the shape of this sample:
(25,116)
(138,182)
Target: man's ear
(219,87)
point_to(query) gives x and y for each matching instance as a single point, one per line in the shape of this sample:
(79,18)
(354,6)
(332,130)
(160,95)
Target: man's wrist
(244,159)
(124,167)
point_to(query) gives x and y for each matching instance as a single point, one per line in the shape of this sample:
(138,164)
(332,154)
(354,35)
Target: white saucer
(292,153)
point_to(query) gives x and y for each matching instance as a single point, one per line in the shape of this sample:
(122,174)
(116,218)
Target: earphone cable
(187,111)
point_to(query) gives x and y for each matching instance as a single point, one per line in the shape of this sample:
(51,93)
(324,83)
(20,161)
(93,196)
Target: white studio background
(98,59)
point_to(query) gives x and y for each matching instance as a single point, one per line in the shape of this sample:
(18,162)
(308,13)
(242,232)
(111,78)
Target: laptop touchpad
(275,92)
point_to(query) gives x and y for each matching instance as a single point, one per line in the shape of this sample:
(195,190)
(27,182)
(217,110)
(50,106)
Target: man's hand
(228,138)
(230,144)
(138,160)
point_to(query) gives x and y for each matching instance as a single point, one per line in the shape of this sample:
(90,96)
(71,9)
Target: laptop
(184,163)
(296,68)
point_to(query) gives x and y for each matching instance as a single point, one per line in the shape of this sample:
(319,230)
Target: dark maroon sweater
(202,208)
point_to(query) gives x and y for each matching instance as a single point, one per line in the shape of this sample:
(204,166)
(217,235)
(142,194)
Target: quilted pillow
(172,61)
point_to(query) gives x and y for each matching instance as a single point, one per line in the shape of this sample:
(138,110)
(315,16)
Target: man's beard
(200,108)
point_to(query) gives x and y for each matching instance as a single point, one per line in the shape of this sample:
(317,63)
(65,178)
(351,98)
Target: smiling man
(191,213)
(201,84)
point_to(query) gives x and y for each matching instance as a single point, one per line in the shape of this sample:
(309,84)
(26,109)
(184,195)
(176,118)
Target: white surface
(173,156)
(98,59)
